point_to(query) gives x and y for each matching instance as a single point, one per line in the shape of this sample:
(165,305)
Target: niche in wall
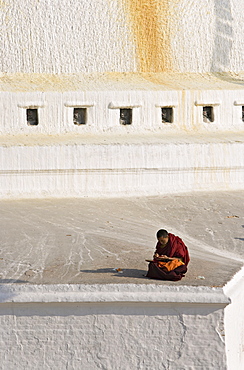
(167,114)
(125,116)
(208,114)
(32,117)
(80,116)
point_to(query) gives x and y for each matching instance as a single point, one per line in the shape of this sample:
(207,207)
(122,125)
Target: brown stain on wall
(150,26)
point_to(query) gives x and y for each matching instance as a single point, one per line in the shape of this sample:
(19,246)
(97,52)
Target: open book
(162,259)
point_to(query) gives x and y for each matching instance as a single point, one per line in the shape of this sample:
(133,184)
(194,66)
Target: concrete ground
(84,241)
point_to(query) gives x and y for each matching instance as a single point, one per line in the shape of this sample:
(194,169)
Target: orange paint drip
(150,26)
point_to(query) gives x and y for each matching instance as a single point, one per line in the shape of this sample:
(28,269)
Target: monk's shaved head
(162,233)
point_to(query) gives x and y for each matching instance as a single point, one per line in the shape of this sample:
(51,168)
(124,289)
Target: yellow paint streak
(116,81)
(150,26)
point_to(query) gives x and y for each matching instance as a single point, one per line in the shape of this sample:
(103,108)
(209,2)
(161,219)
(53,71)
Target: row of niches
(126,115)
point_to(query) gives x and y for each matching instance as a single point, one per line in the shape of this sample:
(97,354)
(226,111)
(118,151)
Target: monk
(170,259)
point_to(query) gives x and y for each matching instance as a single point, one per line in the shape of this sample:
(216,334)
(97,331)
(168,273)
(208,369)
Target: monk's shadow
(132,273)
(13,281)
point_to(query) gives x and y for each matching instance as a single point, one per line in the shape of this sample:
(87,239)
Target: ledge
(124,81)
(237,103)
(166,105)
(111,293)
(31,105)
(73,104)
(118,105)
(143,137)
(206,104)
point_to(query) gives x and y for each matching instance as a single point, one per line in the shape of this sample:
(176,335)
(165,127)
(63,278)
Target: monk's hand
(160,257)
(163,256)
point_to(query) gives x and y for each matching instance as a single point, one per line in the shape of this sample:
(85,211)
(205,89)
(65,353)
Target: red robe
(174,248)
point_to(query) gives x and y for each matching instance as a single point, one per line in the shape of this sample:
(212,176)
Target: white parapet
(112,326)
(234,322)
(112,293)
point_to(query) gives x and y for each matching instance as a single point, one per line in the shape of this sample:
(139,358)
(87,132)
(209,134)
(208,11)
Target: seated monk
(170,258)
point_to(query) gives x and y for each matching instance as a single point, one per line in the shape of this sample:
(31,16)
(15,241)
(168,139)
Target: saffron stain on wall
(150,27)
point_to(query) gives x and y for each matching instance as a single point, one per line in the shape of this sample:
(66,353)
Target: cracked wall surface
(111,336)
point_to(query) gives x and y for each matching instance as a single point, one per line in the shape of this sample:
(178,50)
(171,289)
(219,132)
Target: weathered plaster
(148,326)
(121,36)
(149,20)
(234,322)
(104,95)
(111,293)
(112,169)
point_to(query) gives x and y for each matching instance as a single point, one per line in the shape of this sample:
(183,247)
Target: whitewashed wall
(55,110)
(119,170)
(146,329)
(234,322)
(58,158)
(60,36)
(110,336)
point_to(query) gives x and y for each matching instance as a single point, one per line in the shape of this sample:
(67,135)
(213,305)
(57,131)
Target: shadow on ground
(132,273)
(9,281)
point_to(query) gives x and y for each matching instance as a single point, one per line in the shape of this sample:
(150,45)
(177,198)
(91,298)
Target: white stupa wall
(110,336)
(55,111)
(234,322)
(119,170)
(51,159)
(105,158)
(59,36)
(112,327)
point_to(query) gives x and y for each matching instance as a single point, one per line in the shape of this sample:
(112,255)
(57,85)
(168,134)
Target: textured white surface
(149,326)
(208,35)
(63,36)
(55,108)
(111,336)
(116,170)
(111,293)
(234,322)
(105,158)
(58,95)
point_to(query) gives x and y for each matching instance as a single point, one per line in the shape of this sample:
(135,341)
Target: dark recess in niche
(125,116)
(167,114)
(208,114)
(32,117)
(80,116)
